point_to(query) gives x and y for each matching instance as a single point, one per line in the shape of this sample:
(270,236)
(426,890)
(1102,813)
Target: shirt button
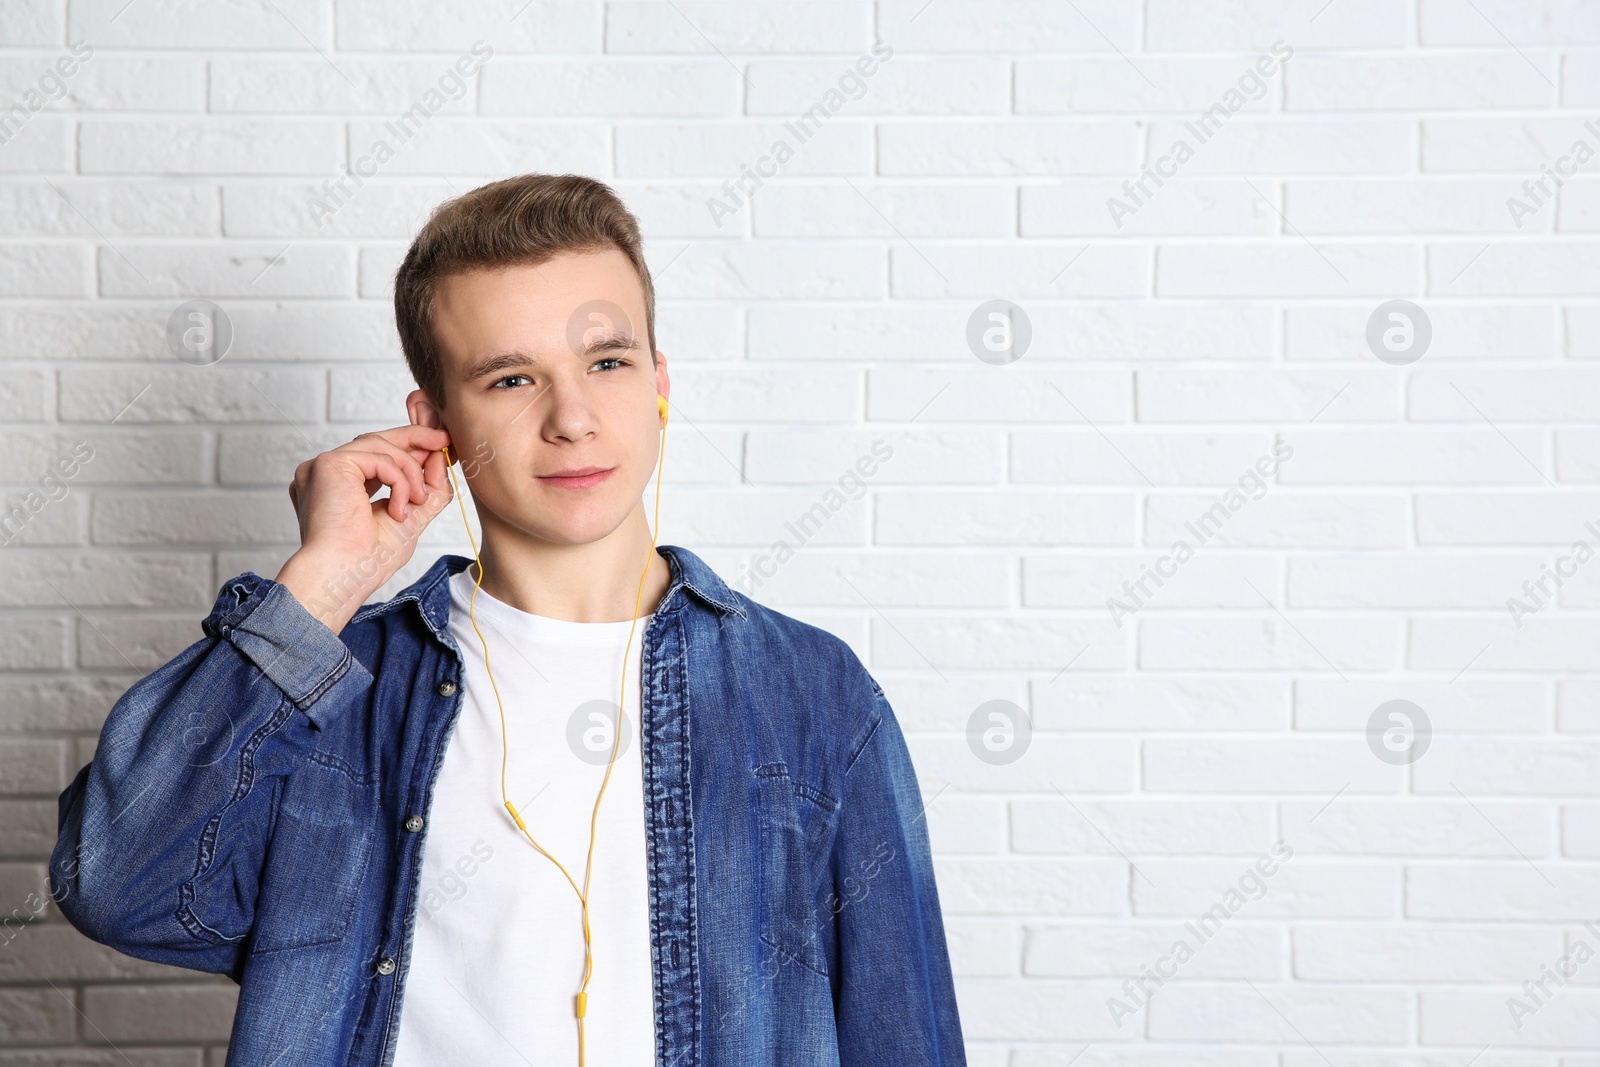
(386,965)
(414,823)
(447,688)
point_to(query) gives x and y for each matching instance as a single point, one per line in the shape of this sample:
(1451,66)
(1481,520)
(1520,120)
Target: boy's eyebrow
(497,361)
(494,362)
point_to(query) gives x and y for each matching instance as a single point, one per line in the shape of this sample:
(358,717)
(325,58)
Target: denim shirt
(258,807)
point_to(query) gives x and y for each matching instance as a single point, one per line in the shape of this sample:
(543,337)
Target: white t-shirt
(498,952)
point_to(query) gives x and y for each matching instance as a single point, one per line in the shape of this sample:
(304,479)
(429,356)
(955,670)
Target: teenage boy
(756,883)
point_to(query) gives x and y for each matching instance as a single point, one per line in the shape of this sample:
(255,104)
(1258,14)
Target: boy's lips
(577,477)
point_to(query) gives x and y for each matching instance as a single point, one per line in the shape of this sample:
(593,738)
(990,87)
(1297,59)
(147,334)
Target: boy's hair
(521,221)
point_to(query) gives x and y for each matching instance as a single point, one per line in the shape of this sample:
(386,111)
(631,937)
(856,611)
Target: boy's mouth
(577,477)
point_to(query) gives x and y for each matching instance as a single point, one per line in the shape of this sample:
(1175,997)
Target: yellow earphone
(581,1001)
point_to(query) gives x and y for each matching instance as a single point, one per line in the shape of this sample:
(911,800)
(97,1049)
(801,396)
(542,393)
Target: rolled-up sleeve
(161,837)
(293,649)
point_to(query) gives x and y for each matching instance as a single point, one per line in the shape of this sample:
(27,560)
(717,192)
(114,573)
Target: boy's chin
(582,527)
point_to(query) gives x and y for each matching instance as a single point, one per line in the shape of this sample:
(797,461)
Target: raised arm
(162,835)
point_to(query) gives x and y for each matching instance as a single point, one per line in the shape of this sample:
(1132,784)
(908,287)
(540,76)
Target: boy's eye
(617,360)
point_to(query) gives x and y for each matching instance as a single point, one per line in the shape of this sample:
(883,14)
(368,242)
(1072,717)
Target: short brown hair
(516,221)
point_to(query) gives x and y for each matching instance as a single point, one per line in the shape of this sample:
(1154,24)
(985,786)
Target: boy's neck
(593,582)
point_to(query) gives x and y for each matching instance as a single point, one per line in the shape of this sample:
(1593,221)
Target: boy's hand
(351,544)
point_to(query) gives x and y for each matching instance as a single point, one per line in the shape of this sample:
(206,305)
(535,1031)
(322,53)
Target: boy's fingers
(408,459)
(434,472)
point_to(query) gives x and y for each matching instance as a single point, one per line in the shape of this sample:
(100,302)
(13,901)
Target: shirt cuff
(295,650)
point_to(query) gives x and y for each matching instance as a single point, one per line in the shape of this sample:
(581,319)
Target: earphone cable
(582,997)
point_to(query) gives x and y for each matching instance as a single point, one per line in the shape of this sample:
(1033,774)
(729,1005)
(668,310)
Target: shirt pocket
(793,822)
(318,856)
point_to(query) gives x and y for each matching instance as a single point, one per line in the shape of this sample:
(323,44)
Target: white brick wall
(1171,747)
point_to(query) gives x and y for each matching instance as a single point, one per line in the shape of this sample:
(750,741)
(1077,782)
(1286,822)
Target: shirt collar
(431,592)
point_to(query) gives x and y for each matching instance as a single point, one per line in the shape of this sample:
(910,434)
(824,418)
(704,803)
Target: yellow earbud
(581,1000)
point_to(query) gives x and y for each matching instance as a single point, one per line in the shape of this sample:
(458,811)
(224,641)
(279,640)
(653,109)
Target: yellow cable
(581,1001)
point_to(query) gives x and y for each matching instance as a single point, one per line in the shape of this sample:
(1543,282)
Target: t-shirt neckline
(527,624)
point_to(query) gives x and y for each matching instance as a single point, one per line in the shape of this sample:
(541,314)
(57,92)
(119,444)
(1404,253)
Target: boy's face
(547,370)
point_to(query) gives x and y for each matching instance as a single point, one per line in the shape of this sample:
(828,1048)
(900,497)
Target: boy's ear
(422,411)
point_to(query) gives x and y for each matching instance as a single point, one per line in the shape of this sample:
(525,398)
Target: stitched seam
(257,949)
(730,605)
(816,796)
(333,762)
(680,663)
(338,763)
(863,747)
(827,803)
(338,672)
(785,952)
(245,601)
(197,929)
(206,853)
(819,797)
(383,607)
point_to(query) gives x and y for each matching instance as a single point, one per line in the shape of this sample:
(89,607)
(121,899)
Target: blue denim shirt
(258,807)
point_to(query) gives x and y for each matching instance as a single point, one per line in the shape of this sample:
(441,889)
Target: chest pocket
(794,821)
(317,861)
